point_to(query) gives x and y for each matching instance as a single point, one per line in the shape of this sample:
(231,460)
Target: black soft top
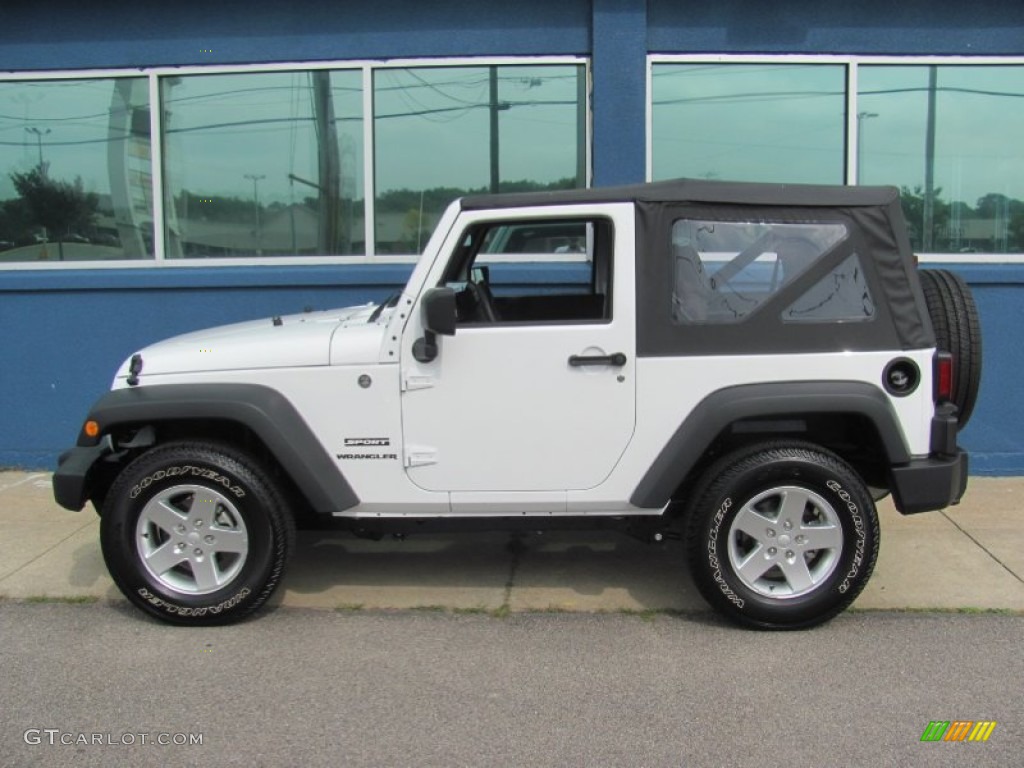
(697,191)
(879,234)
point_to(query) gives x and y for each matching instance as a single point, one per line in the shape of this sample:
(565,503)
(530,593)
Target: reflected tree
(15,221)
(995,224)
(913,200)
(60,208)
(1010,215)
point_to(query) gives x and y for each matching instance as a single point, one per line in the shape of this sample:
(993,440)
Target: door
(534,394)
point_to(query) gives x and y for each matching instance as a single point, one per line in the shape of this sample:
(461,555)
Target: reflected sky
(763,122)
(979,121)
(67,123)
(432,126)
(756,122)
(222,130)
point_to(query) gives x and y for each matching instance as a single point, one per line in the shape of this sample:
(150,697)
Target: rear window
(842,296)
(724,270)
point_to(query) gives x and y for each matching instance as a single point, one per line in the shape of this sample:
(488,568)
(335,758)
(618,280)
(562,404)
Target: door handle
(617,359)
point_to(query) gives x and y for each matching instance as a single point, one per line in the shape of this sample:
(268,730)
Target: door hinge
(420,456)
(409,383)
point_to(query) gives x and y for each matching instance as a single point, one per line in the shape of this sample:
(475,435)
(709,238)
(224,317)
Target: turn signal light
(91,428)
(943,377)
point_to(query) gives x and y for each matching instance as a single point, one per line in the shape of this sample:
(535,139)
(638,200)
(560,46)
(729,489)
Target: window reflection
(75,181)
(949,136)
(749,122)
(264,164)
(271,163)
(442,132)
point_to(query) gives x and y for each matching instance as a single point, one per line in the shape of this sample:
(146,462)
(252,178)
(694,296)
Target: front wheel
(782,536)
(196,533)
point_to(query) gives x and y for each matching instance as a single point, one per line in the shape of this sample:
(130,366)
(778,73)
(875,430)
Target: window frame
(852,63)
(604,250)
(366,67)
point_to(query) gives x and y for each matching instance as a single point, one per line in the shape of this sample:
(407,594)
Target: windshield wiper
(390,301)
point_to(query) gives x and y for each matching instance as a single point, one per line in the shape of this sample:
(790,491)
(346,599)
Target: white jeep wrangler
(756,362)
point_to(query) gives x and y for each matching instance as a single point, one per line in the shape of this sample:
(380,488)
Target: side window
(537,271)
(724,270)
(842,296)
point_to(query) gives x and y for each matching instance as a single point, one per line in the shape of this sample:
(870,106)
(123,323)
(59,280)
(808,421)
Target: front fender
(265,411)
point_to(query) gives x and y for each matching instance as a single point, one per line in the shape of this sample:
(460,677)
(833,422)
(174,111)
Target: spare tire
(957,327)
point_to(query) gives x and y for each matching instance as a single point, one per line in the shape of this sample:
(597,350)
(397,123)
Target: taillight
(943,377)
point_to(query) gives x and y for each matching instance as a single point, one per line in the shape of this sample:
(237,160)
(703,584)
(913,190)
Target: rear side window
(724,270)
(842,296)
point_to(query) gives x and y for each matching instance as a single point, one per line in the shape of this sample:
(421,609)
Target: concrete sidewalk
(968,557)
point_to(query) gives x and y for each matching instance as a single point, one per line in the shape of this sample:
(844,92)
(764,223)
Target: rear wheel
(782,536)
(954,317)
(196,533)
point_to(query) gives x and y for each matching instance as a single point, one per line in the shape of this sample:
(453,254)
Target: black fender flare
(784,399)
(265,411)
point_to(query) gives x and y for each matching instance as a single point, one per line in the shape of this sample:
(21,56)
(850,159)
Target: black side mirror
(439,317)
(439,314)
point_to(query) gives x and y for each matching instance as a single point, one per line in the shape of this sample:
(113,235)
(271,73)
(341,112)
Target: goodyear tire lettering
(184,610)
(859,533)
(180,471)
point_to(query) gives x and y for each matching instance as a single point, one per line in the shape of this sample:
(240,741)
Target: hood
(307,339)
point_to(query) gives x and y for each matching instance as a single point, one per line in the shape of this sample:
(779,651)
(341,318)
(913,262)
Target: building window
(945,134)
(75,172)
(749,122)
(950,137)
(263,164)
(443,132)
(275,162)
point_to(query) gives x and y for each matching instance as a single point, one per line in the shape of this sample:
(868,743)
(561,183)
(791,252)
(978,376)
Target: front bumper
(71,480)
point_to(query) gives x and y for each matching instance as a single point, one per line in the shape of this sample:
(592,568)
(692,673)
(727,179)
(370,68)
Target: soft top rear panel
(877,235)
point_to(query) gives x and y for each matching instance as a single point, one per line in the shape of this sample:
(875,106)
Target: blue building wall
(995,435)
(62,333)
(909,27)
(65,333)
(101,33)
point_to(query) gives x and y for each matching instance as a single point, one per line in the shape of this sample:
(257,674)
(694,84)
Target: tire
(781,536)
(196,533)
(957,327)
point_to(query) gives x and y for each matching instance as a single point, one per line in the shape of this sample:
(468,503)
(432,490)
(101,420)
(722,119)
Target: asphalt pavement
(103,685)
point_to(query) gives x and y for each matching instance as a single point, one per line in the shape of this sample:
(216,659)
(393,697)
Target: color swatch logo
(958,730)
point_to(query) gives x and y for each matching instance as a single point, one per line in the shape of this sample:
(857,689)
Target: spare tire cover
(957,327)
